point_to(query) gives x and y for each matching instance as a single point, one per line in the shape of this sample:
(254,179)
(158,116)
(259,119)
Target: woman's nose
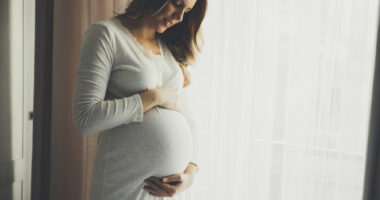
(179,15)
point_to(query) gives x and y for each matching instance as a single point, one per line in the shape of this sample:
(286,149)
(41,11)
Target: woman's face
(172,14)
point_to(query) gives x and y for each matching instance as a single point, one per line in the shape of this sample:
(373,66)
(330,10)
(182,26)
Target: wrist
(191,169)
(156,97)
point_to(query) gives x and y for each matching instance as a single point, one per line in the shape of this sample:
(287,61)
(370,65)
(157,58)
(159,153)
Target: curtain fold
(72,155)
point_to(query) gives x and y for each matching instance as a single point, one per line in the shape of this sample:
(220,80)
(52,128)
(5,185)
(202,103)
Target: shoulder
(101,33)
(99,36)
(102,29)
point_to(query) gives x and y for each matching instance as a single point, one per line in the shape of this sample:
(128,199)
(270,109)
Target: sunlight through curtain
(282,92)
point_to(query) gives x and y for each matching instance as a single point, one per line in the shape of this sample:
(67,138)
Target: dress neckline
(147,52)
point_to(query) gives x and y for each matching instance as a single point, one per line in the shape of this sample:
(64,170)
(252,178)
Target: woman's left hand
(169,186)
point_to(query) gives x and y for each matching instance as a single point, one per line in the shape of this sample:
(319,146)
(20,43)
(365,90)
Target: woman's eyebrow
(184,4)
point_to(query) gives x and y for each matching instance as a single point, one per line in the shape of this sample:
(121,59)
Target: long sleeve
(187,111)
(91,113)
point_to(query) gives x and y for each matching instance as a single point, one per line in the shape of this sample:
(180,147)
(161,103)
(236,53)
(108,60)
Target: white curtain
(282,92)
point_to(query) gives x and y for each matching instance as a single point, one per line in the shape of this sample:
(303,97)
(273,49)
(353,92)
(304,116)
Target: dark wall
(42,100)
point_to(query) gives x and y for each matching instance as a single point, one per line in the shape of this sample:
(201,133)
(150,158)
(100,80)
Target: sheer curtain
(282,92)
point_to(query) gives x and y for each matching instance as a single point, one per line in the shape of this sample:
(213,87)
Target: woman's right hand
(167,97)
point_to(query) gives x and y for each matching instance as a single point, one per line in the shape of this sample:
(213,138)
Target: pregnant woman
(132,87)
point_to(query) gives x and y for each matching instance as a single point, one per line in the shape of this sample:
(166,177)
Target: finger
(180,111)
(153,192)
(149,189)
(157,194)
(180,107)
(172,178)
(166,187)
(156,187)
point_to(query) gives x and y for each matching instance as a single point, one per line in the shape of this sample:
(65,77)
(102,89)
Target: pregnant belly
(161,145)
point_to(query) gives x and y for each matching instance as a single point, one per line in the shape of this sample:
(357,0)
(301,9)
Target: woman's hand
(169,186)
(164,96)
(167,97)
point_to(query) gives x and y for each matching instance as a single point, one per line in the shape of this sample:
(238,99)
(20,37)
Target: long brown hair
(183,38)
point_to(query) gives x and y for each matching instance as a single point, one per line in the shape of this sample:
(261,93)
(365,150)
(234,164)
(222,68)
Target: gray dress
(132,145)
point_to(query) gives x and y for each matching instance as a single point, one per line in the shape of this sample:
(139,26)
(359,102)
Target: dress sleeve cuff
(139,112)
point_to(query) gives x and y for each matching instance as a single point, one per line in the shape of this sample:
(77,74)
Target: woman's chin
(161,29)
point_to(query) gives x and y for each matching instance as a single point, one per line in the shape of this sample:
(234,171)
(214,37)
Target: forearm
(91,112)
(92,116)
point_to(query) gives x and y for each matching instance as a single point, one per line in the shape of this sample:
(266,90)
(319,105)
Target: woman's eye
(177,3)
